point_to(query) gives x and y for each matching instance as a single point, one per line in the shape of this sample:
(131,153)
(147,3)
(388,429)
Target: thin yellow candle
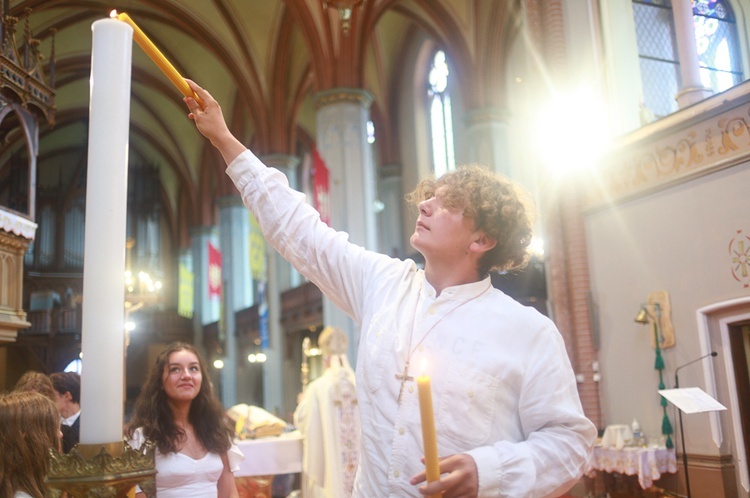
(432,467)
(155,54)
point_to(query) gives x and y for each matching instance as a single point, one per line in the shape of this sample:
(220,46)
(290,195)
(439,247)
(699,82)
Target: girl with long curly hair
(178,412)
(29,428)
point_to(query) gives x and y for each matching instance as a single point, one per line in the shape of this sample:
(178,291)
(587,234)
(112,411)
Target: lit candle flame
(113,14)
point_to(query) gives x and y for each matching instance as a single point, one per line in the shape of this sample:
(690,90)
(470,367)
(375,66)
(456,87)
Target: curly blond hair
(499,207)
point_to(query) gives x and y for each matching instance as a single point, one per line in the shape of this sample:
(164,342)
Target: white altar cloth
(271,455)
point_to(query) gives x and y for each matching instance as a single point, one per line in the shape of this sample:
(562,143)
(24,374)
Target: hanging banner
(185,293)
(214,271)
(321,187)
(257,251)
(263,316)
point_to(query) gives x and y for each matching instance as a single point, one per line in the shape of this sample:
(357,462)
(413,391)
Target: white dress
(181,476)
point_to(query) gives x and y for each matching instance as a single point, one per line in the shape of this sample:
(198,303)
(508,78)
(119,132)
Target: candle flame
(113,14)
(423,366)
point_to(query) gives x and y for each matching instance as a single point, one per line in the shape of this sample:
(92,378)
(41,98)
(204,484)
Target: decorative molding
(21,70)
(343,95)
(739,254)
(16,224)
(107,470)
(694,142)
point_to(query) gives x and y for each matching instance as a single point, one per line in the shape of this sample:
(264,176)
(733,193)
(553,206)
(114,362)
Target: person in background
(178,412)
(68,397)
(507,412)
(328,419)
(29,428)
(36,382)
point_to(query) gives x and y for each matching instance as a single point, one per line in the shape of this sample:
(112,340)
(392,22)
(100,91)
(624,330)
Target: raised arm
(210,122)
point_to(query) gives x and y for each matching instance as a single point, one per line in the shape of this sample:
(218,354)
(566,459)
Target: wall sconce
(657,310)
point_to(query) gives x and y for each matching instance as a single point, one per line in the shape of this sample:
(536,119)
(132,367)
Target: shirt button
(470,393)
(401,431)
(396,474)
(421,348)
(431,311)
(411,389)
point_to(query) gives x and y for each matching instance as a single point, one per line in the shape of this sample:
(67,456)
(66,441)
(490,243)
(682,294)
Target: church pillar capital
(343,95)
(287,164)
(487,115)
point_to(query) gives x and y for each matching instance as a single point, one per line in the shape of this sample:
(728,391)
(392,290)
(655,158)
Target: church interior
(627,121)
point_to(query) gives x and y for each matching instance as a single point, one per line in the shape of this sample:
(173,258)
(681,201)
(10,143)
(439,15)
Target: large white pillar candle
(103,334)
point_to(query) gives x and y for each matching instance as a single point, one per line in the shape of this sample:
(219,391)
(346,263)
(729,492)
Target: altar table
(647,463)
(264,458)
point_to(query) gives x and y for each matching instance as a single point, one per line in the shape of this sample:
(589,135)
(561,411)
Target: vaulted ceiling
(263,60)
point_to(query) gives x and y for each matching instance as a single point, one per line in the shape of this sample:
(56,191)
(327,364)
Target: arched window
(716,38)
(441,119)
(657,54)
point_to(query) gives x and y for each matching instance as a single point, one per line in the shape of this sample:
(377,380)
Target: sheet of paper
(692,400)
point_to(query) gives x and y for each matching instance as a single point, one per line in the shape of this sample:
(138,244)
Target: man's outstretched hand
(210,122)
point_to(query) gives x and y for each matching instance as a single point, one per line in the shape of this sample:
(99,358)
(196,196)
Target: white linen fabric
(181,476)
(502,385)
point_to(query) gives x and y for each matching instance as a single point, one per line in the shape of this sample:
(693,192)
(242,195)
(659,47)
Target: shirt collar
(72,419)
(458,292)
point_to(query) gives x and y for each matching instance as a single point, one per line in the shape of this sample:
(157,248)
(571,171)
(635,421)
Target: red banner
(321,199)
(214,271)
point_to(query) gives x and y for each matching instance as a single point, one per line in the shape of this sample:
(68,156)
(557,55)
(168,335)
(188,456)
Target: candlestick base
(102,471)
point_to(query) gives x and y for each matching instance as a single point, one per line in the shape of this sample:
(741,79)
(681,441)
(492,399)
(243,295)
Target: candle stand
(102,471)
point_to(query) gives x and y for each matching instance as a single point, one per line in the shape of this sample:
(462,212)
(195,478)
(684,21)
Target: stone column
(341,122)
(390,218)
(237,285)
(487,138)
(692,89)
(281,276)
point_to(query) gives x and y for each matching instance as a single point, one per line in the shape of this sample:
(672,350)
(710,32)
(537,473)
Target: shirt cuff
(241,169)
(489,474)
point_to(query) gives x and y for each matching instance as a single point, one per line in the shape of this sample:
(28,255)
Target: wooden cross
(403,378)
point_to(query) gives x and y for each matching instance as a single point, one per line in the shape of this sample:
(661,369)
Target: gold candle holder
(102,471)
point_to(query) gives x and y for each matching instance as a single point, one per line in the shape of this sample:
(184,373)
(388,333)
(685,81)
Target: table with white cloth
(647,463)
(264,458)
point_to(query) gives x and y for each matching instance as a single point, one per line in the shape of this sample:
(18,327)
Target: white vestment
(328,418)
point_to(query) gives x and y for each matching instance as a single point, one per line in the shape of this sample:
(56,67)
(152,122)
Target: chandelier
(344,8)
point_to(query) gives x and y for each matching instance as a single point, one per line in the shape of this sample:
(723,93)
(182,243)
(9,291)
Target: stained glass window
(716,39)
(441,120)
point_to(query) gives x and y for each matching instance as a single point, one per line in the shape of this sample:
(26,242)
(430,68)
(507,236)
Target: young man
(68,398)
(508,417)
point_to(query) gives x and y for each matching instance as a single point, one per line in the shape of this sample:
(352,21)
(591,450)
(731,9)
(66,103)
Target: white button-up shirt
(502,386)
